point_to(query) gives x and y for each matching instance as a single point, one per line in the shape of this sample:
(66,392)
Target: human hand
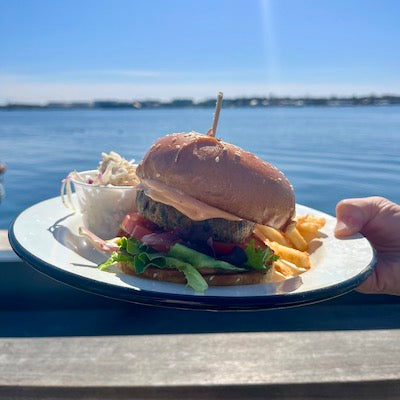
(378,219)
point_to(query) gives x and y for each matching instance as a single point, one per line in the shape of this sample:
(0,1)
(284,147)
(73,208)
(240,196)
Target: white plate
(45,236)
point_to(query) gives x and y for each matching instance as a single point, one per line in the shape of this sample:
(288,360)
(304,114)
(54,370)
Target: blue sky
(120,49)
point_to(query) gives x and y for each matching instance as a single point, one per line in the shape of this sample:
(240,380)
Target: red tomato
(139,231)
(133,219)
(144,230)
(223,249)
(127,224)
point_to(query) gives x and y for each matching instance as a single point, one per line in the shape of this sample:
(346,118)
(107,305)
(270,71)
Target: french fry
(291,245)
(282,268)
(287,268)
(317,222)
(308,227)
(308,236)
(273,235)
(296,239)
(297,257)
(275,276)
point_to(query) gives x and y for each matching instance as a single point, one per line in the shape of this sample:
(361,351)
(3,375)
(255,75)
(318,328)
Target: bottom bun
(213,279)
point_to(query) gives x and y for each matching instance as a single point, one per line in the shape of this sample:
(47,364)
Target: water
(327,153)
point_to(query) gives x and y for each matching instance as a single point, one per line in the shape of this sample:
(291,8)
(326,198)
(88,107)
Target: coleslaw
(104,195)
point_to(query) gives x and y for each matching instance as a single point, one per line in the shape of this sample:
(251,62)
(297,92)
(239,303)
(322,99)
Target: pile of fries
(292,246)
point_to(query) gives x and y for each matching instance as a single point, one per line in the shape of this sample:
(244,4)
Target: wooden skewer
(218,106)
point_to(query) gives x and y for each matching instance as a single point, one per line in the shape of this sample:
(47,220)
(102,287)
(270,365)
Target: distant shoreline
(251,102)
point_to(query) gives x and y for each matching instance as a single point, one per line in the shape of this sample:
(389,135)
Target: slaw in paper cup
(103,207)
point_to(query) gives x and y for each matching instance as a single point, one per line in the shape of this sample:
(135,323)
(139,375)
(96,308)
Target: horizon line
(270,100)
(196,101)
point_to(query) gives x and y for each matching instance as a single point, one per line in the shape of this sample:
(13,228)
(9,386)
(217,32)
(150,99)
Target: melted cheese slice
(187,205)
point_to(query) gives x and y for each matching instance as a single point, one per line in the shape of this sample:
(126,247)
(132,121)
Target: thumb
(352,215)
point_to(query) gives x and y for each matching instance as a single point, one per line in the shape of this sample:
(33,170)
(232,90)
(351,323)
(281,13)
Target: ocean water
(327,153)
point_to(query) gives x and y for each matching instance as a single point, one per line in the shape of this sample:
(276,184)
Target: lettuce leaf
(132,246)
(200,260)
(259,259)
(115,258)
(139,257)
(194,279)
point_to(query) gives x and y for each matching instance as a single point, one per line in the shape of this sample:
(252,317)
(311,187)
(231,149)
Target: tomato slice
(223,249)
(139,231)
(144,230)
(134,219)
(128,224)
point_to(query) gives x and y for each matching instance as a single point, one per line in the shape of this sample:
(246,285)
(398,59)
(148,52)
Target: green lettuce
(259,259)
(139,257)
(194,279)
(200,260)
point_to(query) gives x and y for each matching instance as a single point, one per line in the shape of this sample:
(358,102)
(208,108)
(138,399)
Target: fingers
(378,219)
(385,279)
(354,214)
(350,218)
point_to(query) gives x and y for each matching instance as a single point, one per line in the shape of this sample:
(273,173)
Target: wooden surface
(162,366)
(214,359)
(57,342)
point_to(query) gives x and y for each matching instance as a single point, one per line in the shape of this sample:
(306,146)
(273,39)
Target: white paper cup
(103,207)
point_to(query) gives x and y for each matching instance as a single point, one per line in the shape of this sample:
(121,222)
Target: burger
(197,205)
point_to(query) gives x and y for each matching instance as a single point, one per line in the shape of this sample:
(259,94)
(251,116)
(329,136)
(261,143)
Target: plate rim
(186,301)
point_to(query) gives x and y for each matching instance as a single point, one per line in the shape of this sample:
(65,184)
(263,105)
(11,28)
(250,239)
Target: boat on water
(2,168)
